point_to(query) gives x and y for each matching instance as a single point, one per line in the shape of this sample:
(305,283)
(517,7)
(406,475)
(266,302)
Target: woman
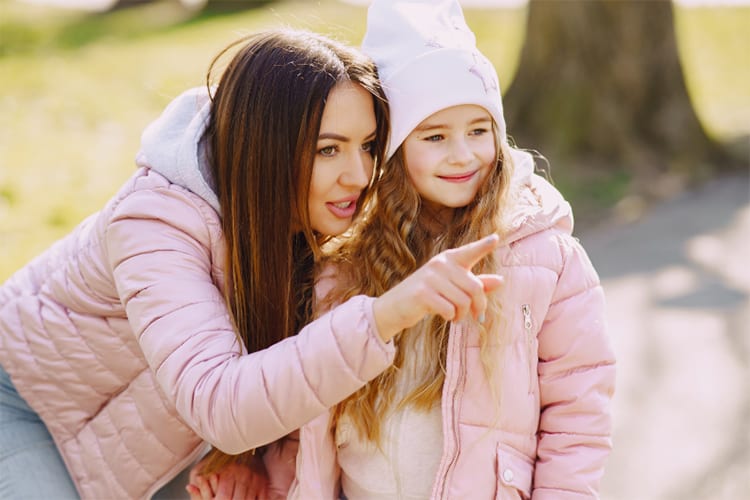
(125,345)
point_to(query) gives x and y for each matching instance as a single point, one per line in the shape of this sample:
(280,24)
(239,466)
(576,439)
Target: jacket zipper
(454,413)
(527,325)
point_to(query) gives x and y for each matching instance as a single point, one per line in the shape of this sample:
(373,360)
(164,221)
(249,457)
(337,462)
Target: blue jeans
(30,465)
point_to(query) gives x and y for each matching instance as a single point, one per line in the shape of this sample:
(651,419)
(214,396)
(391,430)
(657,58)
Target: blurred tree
(600,86)
(198,5)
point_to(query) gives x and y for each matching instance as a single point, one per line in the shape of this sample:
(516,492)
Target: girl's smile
(458,178)
(449,155)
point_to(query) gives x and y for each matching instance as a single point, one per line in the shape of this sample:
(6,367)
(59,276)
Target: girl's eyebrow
(430,126)
(435,126)
(481,119)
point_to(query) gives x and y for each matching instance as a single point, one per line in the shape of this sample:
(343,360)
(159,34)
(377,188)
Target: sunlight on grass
(714,45)
(78,89)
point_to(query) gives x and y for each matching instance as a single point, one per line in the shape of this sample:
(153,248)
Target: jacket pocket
(515,473)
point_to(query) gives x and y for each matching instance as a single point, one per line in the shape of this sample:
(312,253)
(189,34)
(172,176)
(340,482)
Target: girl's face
(343,162)
(449,155)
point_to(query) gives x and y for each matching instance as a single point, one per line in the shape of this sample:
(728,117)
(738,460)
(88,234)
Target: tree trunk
(600,85)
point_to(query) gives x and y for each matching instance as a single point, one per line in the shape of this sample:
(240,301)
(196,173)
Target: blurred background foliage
(77,89)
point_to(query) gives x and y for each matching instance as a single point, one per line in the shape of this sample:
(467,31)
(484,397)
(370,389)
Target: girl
(120,350)
(514,404)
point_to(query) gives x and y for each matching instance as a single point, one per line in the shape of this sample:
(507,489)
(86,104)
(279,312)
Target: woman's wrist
(387,321)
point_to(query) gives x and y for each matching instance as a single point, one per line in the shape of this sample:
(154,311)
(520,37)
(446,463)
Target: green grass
(715,51)
(77,90)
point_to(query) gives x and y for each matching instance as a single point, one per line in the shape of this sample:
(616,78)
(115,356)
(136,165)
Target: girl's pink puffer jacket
(118,335)
(549,436)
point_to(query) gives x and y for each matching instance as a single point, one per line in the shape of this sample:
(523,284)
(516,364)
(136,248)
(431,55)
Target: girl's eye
(369,147)
(478,131)
(328,151)
(434,138)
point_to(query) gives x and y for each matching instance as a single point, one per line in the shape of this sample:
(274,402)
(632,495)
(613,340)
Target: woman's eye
(328,151)
(479,131)
(434,138)
(369,147)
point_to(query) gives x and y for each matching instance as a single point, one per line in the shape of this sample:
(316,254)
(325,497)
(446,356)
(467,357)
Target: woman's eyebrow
(343,138)
(331,135)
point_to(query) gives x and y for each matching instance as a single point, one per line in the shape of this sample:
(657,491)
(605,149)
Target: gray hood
(172,145)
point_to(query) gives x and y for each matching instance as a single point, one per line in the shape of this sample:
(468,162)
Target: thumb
(491,282)
(471,253)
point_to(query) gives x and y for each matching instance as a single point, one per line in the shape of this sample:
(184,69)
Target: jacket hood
(173,145)
(537,205)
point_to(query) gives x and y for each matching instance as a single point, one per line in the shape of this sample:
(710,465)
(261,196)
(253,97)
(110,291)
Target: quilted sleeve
(159,248)
(577,378)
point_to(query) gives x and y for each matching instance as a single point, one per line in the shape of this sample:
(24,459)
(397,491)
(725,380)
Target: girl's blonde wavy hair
(388,244)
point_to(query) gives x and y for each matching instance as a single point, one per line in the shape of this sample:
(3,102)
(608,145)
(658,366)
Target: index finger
(471,253)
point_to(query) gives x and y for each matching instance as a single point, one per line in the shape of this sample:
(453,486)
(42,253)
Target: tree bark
(600,84)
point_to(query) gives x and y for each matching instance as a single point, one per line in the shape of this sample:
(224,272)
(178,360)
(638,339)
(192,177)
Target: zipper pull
(526,309)
(526,317)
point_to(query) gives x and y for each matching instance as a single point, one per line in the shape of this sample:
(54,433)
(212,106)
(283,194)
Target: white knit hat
(428,60)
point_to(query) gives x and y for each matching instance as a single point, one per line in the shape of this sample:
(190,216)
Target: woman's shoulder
(154,191)
(149,196)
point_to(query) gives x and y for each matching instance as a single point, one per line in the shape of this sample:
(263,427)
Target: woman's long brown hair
(262,140)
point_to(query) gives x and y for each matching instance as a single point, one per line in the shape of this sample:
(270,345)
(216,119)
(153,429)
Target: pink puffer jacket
(118,335)
(549,436)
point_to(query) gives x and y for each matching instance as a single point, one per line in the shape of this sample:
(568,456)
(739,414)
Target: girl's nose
(460,152)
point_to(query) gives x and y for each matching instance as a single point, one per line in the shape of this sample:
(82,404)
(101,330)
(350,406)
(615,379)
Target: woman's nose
(358,171)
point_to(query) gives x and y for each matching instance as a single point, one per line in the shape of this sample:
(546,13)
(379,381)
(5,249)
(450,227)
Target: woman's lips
(343,209)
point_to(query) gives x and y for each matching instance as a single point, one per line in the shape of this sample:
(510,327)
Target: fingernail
(481,318)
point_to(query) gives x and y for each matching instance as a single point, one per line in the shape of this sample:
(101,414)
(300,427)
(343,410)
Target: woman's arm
(162,246)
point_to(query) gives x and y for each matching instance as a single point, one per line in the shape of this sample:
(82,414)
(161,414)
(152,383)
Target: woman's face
(343,163)
(449,155)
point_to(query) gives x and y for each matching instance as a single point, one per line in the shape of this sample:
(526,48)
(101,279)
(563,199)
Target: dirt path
(678,290)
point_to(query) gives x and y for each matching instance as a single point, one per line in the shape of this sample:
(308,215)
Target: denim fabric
(175,489)
(31,467)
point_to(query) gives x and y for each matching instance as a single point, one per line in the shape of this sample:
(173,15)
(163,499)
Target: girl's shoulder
(535,206)
(330,282)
